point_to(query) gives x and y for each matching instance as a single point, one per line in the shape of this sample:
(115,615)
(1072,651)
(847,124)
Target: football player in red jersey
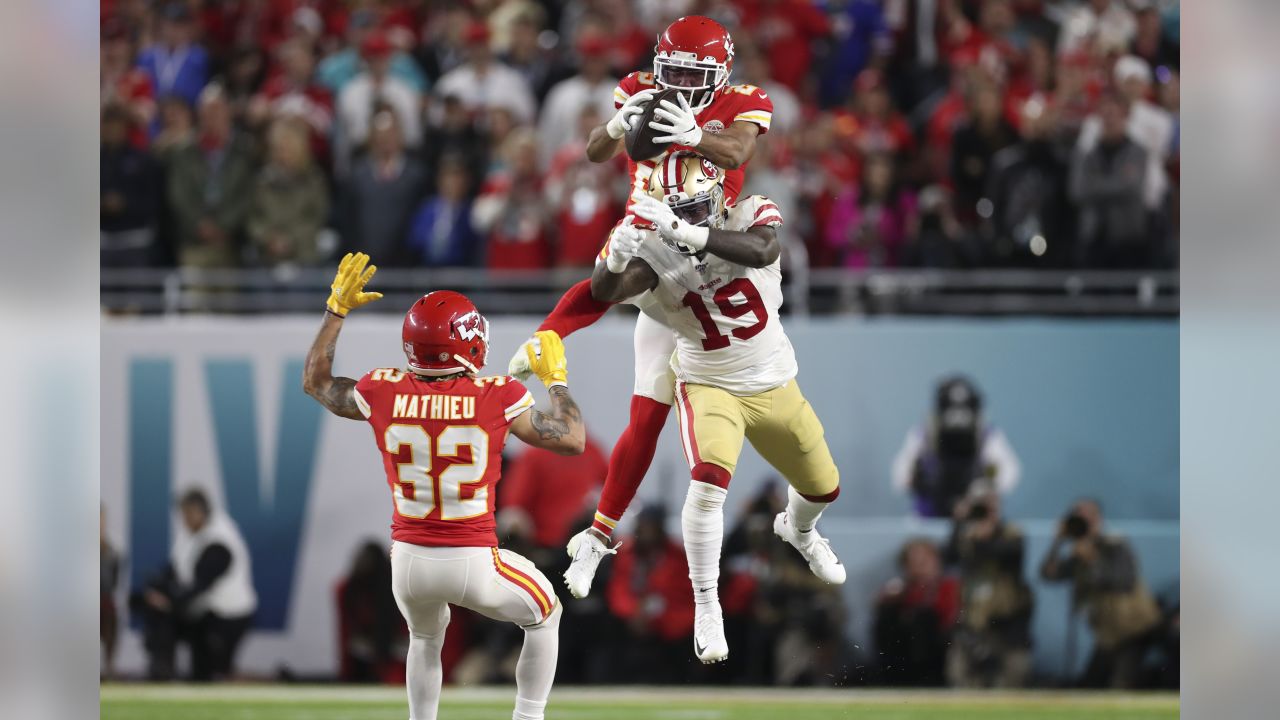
(719,121)
(441,428)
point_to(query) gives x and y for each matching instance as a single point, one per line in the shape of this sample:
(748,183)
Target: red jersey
(735,102)
(441,444)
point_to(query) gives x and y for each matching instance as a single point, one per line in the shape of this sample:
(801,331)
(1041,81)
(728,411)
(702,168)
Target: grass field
(303,702)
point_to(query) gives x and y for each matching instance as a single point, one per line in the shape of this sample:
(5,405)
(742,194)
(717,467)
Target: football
(639,139)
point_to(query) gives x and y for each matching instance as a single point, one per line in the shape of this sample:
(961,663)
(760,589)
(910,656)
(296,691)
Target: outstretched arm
(336,394)
(561,431)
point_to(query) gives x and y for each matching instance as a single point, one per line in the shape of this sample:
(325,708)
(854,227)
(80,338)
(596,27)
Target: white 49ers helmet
(693,188)
(694,55)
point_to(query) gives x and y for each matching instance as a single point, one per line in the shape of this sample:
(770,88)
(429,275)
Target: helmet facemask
(697,80)
(705,209)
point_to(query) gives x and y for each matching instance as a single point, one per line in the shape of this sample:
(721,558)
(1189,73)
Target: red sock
(576,310)
(630,461)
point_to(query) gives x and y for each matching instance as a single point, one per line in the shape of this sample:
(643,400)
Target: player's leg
(507,587)
(632,454)
(711,432)
(417,581)
(791,439)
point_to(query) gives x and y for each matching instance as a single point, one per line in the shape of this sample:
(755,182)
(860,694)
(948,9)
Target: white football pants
(496,583)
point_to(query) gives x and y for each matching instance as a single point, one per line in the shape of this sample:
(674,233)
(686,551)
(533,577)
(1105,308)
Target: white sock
(804,513)
(536,668)
(702,520)
(424,673)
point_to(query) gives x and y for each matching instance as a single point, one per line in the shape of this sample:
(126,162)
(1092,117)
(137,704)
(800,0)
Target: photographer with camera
(1121,612)
(940,459)
(992,645)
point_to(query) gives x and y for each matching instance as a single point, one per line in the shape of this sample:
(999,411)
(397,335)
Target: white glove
(672,228)
(681,125)
(519,368)
(620,123)
(624,244)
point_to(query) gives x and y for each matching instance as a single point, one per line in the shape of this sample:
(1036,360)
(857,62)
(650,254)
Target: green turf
(330,703)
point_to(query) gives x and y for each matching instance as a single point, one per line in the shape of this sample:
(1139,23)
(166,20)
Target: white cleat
(587,551)
(815,549)
(708,635)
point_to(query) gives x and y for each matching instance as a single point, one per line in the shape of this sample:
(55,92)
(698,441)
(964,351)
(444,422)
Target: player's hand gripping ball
(641,140)
(545,353)
(347,292)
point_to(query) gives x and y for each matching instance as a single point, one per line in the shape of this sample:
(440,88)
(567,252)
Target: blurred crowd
(446,133)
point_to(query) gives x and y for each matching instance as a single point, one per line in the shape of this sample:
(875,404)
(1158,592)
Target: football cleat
(587,551)
(708,634)
(815,549)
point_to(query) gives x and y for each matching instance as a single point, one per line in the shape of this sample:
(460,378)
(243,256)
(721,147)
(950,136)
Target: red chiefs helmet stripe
(524,582)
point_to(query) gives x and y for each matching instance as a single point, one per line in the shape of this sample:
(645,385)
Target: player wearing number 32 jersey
(441,429)
(711,274)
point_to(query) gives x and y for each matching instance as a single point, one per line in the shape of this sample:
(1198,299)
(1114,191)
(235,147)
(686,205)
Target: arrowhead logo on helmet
(444,334)
(694,56)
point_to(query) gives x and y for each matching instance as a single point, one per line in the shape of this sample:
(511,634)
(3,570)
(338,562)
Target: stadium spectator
(378,198)
(870,222)
(370,92)
(109,568)
(914,616)
(785,30)
(954,448)
(585,195)
(523,52)
(243,75)
(512,212)
(860,39)
(1148,124)
(992,641)
(455,135)
(940,241)
(1106,585)
(547,510)
(290,200)
(1104,26)
(1150,41)
(649,592)
(177,128)
(440,233)
(592,86)
(483,81)
(975,142)
(293,93)
(210,187)
(372,635)
(203,597)
(129,184)
(176,65)
(122,83)
(870,123)
(757,586)
(343,66)
(444,47)
(1027,188)
(1108,185)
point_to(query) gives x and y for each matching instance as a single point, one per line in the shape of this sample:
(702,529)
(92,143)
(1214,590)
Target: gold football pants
(779,423)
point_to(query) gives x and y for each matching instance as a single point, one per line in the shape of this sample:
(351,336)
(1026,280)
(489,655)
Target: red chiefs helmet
(445,334)
(694,55)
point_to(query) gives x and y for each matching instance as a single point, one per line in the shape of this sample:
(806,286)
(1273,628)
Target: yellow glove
(545,353)
(348,285)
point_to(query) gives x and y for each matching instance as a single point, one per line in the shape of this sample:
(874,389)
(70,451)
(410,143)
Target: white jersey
(724,315)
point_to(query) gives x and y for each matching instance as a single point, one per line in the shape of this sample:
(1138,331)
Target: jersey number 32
(416,494)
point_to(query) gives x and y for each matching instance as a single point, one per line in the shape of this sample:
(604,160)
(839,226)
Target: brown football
(639,139)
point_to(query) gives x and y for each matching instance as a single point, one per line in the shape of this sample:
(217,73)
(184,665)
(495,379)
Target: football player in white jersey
(711,274)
